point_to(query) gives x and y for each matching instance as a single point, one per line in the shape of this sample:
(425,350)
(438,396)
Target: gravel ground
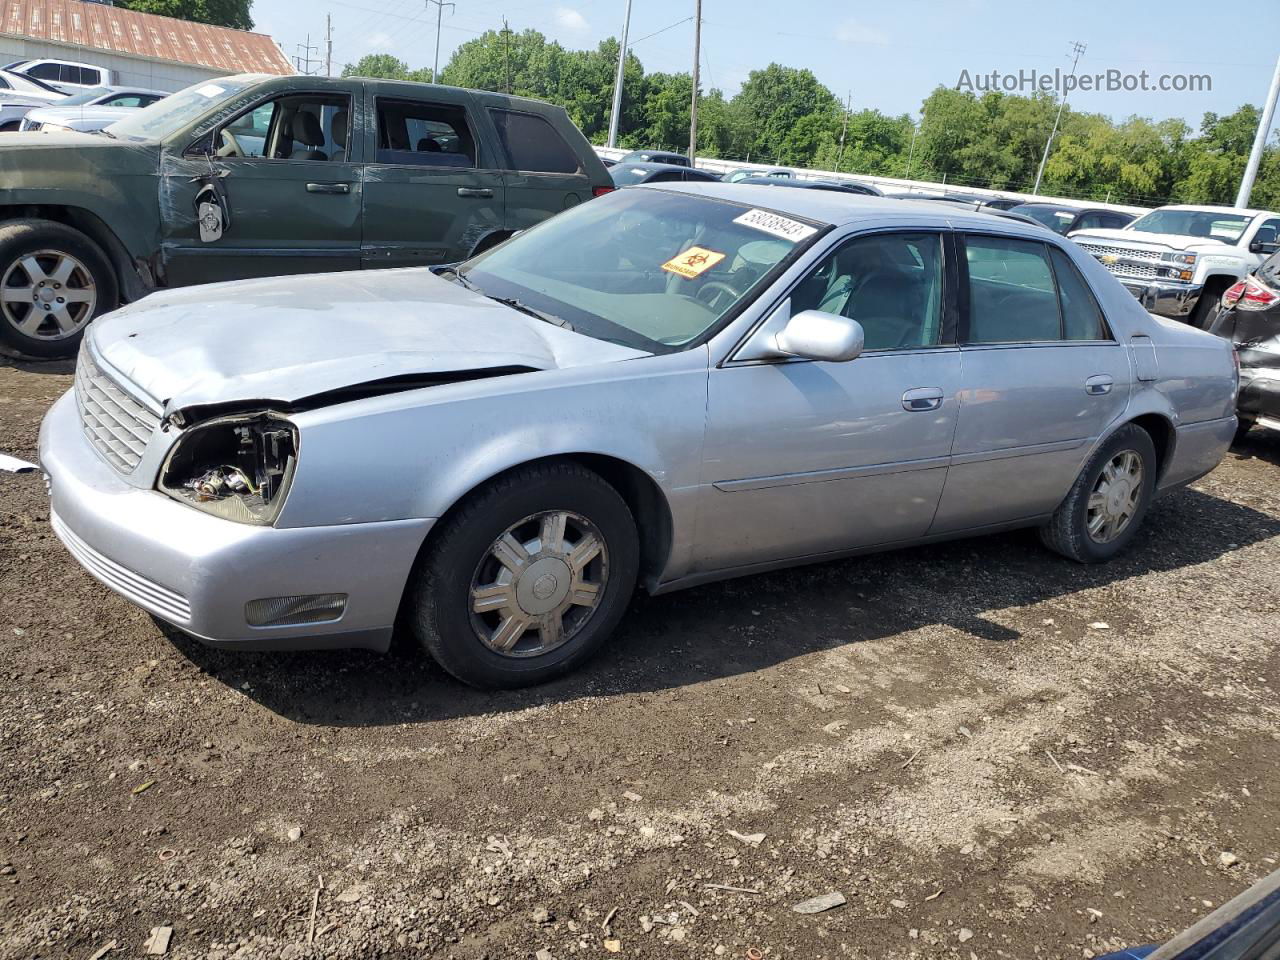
(986,750)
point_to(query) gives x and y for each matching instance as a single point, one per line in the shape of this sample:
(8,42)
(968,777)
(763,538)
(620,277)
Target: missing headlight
(238,468)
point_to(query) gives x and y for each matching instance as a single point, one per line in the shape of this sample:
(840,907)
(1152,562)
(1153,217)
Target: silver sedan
(665,386)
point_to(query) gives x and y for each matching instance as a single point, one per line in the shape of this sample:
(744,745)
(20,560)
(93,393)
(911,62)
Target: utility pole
(693,106)
(912,152)
(617,80)
(303,59)
(435,65)
(848,105)
(1259,141)
(506,53)
(1077,49)
(328,45)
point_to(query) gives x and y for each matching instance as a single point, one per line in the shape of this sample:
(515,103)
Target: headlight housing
(238,468)
(1187,259)
(56,128)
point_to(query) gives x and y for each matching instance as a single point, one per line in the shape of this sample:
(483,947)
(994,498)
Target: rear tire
(1108,501)
(53,281)
(504,597)
(1242,429)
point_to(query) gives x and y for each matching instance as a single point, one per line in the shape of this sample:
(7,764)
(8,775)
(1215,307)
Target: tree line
(783,115)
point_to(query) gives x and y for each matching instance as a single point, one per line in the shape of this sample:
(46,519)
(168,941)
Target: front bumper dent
(197,571)
(1167,299)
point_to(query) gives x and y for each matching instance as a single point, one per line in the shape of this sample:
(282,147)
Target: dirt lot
(987,750)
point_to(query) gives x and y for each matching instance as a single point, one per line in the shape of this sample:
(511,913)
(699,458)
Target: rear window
(424,134)
(531,143)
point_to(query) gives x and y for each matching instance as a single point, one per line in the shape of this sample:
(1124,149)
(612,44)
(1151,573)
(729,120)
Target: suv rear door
(433,188)
(544,172)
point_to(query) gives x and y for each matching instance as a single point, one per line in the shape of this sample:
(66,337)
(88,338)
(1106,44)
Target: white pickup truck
(1178,260)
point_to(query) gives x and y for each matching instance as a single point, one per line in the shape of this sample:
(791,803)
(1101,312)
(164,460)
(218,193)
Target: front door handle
(1099,385)
(922,398)
(474,192)
(328,188)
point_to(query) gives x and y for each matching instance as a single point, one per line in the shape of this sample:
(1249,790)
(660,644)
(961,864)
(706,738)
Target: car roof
(839,208)
(1215,208)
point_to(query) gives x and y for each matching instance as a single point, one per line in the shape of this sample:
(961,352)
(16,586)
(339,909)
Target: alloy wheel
(47,295)
(538,583)
(1115,497)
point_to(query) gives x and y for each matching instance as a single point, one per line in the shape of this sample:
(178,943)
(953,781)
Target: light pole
(617,80)
(1078,49)
(1259,141)
(435,64)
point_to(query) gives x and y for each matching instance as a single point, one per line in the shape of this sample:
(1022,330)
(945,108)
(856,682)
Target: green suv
(251,176)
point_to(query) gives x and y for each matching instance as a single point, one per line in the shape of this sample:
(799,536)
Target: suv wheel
(1106,504)
(53,281)
(527,578)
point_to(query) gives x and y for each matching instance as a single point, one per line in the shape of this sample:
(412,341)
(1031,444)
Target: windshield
(83,97)
(649,269)
(1211,225)
(1059,221)
(178,110)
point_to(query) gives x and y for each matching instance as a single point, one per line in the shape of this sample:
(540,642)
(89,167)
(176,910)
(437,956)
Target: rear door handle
(922,398)
(1099,385)
(328,188)
(474,192)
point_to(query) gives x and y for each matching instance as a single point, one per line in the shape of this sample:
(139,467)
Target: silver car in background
(668,385)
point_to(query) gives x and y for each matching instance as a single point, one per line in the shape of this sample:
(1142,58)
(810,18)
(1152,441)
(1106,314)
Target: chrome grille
(1131,253)
(116,424)
(1133,270)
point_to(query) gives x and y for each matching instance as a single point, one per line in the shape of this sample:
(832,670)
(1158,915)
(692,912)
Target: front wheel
(53,281)
(527,578)
(1108,501)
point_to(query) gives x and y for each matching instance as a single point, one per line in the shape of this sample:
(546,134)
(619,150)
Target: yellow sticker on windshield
(693,262)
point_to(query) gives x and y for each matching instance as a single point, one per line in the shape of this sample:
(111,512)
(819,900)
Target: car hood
(1161,241)
(287,339)
(88,112)
(71,161)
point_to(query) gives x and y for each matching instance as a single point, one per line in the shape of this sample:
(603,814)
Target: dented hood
(285,339)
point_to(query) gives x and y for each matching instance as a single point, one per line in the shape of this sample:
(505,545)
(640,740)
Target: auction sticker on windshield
(693,262)
(776,224)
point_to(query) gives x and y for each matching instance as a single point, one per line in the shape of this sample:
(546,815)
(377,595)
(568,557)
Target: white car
(67,76)
(90,111)
(19,94)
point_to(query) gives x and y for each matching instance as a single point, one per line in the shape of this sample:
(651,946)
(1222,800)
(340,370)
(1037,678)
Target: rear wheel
(53,281)
(1108,501)
(527,578)
(1244,425)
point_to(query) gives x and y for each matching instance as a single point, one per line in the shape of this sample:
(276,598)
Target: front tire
(1107,503)
(53,281)
(527,578)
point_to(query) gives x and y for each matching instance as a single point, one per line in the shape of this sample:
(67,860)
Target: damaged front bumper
(200,572)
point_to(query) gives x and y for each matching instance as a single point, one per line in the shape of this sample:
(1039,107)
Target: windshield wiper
(515,304)
(460,278)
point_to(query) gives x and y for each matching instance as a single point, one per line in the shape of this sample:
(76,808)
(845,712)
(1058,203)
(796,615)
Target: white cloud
(378,42)
(851,31)
(571,20)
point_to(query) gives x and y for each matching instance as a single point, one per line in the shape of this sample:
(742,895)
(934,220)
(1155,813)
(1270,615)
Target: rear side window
(424,134)
(1012,298)
(532,144)
(1081,317)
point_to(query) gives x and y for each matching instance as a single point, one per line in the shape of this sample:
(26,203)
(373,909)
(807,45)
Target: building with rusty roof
(140,49)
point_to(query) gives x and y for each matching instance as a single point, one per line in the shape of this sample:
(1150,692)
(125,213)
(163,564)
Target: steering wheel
(229,140)
(718,289)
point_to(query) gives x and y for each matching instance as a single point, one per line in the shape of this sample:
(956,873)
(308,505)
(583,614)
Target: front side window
(46,71)
(1012,298)
(126,100)
(424,134)
(649,269)
(890,283)
(1059,221)
(297,127)
(532,144)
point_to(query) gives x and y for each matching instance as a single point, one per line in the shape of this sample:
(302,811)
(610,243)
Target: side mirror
(1264,246)
(815,335)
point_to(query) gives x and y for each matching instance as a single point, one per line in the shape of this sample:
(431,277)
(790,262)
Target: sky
(887,56)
